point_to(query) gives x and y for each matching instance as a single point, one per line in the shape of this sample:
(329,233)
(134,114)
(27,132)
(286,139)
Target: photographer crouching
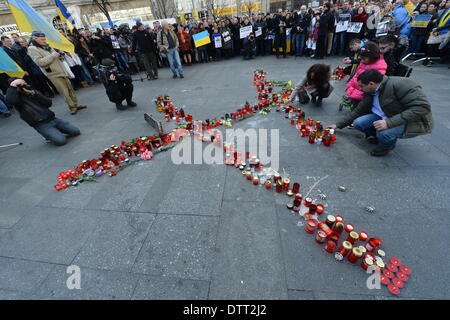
(119,86)
(34,110)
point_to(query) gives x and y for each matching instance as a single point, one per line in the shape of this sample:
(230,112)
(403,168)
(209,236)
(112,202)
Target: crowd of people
(111,56)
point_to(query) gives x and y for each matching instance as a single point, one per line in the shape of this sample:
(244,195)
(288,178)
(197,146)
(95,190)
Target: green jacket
(404,103)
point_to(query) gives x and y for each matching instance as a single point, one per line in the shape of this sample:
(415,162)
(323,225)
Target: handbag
(303,96)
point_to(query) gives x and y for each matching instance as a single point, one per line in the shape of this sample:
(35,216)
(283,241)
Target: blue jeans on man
(174,61)
(299,43)
(386,138)
(4,110)
(340,43)
(57,130)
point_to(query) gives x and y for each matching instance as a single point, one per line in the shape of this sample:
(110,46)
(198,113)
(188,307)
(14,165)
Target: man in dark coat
(144,43)
(34,110)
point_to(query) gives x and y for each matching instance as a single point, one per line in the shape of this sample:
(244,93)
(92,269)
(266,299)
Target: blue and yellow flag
(65,15)
(202,38)
(8,66)
(29,20)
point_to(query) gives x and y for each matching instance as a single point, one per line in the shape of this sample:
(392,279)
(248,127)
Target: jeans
(416,43)
(340,43)
(122,60)
(3,107)
(386,138)
(56,131)
(174,61)
(299,43)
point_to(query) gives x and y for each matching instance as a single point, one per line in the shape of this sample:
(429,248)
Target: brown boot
(79,107)
(73,111)
(84,84)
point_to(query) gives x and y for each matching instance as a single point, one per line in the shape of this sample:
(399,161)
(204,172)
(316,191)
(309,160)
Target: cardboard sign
(354,27)
(421,20)
(341,26)
(245,31)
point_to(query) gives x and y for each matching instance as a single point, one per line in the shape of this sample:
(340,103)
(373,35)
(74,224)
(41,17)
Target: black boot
(119,106)
(319,102)
(131,103)
(313,98)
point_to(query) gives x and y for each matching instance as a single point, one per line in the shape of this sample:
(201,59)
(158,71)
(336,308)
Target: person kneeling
(34,110)
(317,82)
(119,86)
(392,108)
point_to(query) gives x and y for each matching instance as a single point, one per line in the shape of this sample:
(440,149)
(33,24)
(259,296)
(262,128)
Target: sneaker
(80,107)
(73,111)
(379,152)
(319,102)
(181,76)
(175,76)
(131,104)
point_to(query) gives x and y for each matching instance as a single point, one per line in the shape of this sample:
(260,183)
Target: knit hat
(37,34)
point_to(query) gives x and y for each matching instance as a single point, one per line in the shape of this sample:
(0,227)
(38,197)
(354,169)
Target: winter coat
(33,109)
(404,103)
(144,42)
(326,23)
(163,41)
(353,90)
(52,66)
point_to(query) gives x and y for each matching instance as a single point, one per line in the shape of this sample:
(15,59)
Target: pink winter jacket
(353,90)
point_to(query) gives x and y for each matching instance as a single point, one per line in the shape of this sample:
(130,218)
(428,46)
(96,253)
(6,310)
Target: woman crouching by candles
(316,83)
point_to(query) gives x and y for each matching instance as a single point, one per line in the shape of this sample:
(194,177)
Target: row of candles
(308,127)
(111,160)
(333,233)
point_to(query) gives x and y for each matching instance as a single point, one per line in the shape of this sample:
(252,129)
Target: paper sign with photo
(218,42)
(354,27)
(245,31)
(258,32)
(341,26)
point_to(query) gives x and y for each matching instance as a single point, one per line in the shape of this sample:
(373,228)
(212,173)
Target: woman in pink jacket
(370,59)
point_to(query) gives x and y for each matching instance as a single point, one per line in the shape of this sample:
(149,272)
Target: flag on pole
(8,66)
(65,15)
(29,20)
(202,38)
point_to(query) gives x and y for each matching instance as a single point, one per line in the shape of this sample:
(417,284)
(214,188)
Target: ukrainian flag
(202,38)
(29,20)
(64,14)
(8,66)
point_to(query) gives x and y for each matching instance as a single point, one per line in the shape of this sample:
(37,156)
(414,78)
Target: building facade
(85,13)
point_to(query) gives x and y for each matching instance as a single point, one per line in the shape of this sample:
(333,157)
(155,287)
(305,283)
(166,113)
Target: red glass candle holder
(311,226)
(296,187)
(321,236)
(330,246)
(320,208)
(345,248)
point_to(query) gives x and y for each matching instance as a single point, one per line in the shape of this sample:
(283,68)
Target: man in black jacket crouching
(119,86)
(34,110)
